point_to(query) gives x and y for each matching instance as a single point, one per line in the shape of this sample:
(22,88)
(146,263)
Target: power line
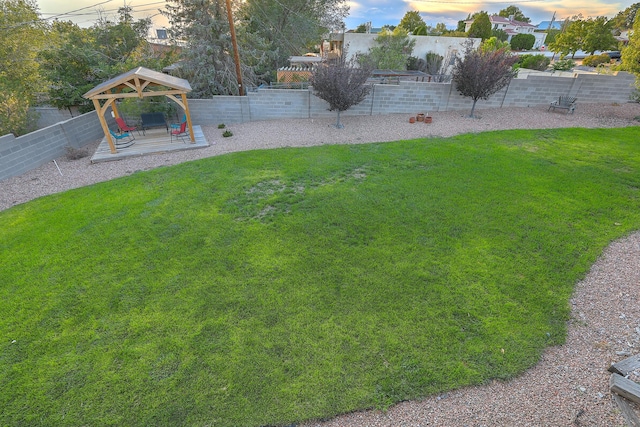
(77,10)
(479,2)
(71,13)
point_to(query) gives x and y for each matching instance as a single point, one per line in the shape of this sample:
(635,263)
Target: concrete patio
(154,141)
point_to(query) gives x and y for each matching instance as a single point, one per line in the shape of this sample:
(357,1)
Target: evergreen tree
(290,27)
(207,59)
(481,26)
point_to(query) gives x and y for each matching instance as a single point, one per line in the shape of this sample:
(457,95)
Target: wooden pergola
(139,82)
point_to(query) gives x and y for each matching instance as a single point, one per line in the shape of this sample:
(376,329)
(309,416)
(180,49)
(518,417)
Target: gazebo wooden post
(105,127)
(188,114)
(116,113)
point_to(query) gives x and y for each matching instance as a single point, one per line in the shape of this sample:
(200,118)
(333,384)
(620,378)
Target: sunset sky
(379,12)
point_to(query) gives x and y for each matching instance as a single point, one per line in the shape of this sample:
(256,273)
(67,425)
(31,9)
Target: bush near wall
(534,62)
(595,60)
(522,41)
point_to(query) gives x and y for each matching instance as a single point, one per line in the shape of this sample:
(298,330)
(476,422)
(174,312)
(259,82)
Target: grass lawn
(270,287)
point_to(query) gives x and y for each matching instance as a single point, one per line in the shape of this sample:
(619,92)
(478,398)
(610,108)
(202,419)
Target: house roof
(141,82)
(555,25)
(496,19)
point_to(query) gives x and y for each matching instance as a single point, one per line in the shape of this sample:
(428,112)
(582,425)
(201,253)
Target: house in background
(360,43)
(356,43)
(512,28)
(549,25)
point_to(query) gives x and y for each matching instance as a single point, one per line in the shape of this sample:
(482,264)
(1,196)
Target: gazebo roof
(138,80)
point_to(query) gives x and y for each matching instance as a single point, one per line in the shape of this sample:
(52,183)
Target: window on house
(162,34)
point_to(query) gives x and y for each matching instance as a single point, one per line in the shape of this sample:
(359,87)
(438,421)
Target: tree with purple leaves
(483,72)
(341,83)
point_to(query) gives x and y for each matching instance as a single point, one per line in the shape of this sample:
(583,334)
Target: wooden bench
(153,120)
(564,102)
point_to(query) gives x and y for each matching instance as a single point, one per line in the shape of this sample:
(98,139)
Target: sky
(378,12)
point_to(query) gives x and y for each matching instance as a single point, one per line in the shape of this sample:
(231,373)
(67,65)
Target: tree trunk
(473,108)
(338,124)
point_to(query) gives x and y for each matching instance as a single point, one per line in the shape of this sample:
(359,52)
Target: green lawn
(271,287)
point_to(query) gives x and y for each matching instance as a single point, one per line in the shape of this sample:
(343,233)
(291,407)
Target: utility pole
(234,43)
(553,18)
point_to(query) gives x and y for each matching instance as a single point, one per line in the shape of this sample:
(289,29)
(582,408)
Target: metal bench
(153,120)
(565,103)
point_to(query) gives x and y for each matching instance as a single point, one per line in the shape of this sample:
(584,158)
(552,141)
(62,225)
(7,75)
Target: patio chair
(122,140)
(565,103)
(177,125)
(124,127)
(180,132)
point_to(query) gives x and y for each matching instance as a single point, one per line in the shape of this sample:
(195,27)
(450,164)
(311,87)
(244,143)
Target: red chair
(124,127)
(180,132)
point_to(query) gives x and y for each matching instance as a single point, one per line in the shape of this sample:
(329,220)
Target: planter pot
(412,119)
(428,119)
(420,117)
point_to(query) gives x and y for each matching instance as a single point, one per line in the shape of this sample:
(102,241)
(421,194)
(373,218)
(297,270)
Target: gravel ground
(568,387)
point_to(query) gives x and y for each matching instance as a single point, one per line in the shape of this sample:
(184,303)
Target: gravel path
(568,387)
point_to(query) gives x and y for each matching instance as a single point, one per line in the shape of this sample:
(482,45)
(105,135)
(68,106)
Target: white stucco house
(512,28)
(361,43)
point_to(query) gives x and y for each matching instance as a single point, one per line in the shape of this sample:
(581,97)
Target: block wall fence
(19,155)
(411,97)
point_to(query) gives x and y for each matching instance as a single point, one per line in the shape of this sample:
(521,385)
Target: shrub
(595,60)
(417,64)
(221,126)
(564,64)
(534,62)
(522,41)
(227,133)
(433,63)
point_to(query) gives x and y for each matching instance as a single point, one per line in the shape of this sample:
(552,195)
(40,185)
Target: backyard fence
(19,155)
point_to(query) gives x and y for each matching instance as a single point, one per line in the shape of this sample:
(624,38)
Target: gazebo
(139,82)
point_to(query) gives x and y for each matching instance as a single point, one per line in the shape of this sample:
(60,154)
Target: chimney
(511,17)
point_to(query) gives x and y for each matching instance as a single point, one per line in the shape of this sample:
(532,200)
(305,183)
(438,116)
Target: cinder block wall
(536,90)
(48,116)
(594,88)
(19,155)
(279,104)
(221,109)
(409,97)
